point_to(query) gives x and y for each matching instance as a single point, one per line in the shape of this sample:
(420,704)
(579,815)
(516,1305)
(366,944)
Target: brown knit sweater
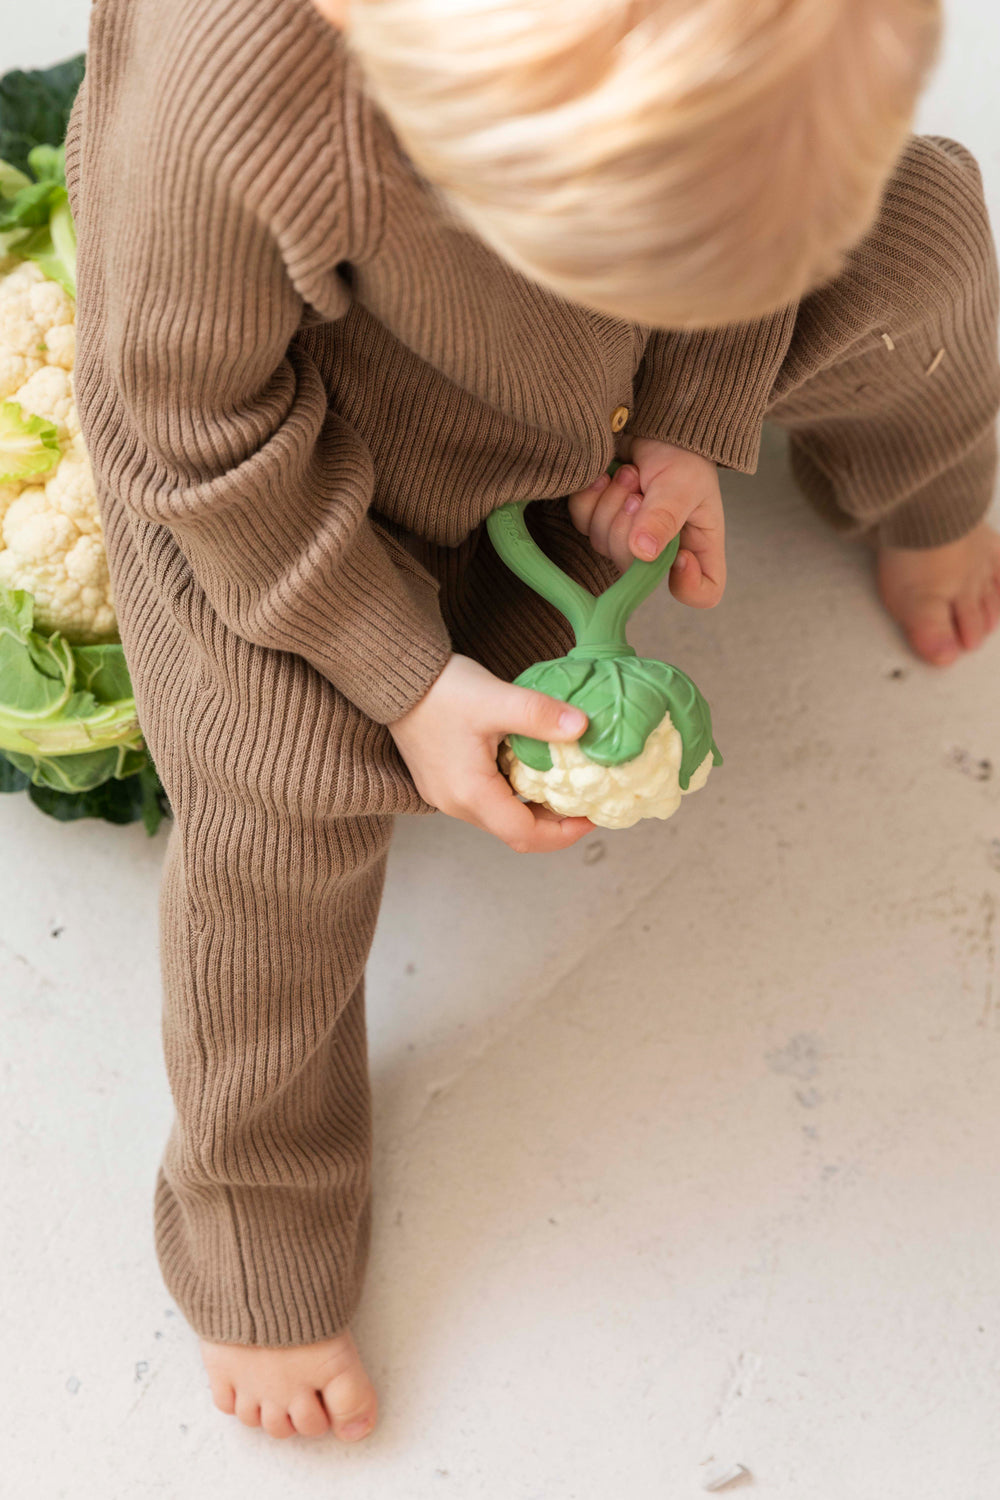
(233,188)
(302,390)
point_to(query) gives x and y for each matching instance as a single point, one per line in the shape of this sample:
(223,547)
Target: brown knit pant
(262,1205)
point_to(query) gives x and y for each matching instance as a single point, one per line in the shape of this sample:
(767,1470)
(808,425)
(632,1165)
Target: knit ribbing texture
(303,388)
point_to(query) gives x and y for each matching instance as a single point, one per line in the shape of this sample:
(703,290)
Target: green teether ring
(598,621)
(624,696)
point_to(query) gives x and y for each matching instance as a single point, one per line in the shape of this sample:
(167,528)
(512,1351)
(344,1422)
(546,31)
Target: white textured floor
(687,1139)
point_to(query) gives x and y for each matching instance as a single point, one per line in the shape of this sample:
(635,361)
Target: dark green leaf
(138,798)
(11,779)
(155,803)
(35,108)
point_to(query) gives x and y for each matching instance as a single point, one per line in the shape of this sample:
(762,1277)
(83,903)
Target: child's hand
(661,491)
(449,741)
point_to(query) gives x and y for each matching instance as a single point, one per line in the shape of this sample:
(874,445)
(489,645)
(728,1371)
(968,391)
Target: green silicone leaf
(624,698)
(29,446)
(563,679)
(692,718)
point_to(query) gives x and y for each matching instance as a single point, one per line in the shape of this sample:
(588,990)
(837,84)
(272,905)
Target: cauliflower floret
(60,342)
(49,394)
(610,796)
(33,311)
(51,542)
(8,494)
(53,547)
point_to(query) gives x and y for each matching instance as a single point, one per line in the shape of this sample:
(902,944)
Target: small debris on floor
(722,1478)
(72,1385)
(594,852)
(935,362)
(970,765)
(56,931)
(888,342)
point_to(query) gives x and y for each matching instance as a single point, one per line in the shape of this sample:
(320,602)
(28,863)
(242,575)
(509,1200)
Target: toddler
(348,281)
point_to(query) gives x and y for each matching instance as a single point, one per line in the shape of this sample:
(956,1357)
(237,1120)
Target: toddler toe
(991,607)
(934,637)
(248,1410)
(308,1415)
(350,1400)
(970,615)
(224,1396)
(275,1420)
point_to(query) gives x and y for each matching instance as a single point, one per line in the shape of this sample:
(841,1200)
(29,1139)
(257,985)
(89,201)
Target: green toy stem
(598,622)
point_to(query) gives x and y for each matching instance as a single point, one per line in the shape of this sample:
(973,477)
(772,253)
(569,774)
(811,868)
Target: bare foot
(303,1390)
(947,599)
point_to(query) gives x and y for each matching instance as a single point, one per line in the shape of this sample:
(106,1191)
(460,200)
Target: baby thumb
(540,717)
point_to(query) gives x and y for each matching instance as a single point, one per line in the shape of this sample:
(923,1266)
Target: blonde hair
(674,162)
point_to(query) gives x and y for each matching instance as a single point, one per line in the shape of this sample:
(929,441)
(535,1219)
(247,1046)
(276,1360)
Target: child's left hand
(660,491)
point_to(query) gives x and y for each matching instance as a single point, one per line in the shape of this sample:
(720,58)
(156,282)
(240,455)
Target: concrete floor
(687,1140)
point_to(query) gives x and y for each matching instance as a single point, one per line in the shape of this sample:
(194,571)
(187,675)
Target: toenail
(356,1429)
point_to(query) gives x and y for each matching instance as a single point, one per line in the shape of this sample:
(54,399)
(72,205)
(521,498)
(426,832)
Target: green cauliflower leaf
(36,222)
(67,714)
(29,446)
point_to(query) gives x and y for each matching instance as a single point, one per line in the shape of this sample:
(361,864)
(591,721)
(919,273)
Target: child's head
(678,162)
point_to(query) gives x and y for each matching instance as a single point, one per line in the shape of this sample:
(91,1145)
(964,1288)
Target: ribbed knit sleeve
(211,218)
(707,391)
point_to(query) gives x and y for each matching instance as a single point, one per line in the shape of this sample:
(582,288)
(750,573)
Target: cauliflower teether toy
(649,739)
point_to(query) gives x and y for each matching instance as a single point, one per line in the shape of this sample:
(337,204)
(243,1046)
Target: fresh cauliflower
(614,796)
(37,324)
(51,542)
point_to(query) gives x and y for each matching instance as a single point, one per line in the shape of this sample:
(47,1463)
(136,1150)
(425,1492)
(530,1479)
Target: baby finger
(612,506)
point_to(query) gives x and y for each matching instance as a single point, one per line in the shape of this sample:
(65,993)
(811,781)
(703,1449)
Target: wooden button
(619,417)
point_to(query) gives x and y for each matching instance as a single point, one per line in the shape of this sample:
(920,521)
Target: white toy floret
(610,796)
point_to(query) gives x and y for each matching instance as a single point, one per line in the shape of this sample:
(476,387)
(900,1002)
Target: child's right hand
(449,741)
